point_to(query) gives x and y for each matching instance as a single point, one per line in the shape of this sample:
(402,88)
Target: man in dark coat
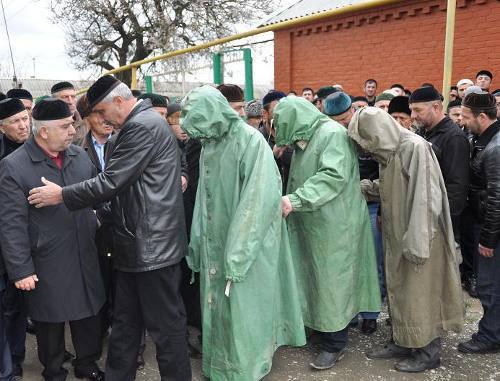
(450,145)
(50,253)
(479,115)
(143,179)
(98,143)
(15,128)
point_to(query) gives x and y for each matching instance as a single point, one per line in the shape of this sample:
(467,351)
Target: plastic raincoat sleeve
(193,257)
(423,197)
(258,205)
(14,221)
(330,179)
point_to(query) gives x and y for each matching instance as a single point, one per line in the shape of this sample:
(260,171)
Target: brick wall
(399,43)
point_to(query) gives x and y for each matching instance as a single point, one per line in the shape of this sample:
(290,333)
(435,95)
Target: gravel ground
(292,364)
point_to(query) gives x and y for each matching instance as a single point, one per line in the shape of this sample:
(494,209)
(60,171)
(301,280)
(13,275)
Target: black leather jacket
(143,180)
(484,194)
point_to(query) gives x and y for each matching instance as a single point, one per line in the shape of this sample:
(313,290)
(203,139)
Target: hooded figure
(239,244)
(330,232)
(421,263)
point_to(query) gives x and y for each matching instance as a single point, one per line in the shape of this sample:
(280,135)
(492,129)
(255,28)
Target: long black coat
(452,150)
(53,242)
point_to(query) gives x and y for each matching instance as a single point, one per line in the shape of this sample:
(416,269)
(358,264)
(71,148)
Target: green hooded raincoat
(421,263)
(239,235)
(330,232)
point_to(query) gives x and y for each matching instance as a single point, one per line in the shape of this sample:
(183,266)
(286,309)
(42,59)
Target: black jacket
(143,180)
(484,194)
(452,150)
(282,162)
(104,235)
(7,146)
(54,243)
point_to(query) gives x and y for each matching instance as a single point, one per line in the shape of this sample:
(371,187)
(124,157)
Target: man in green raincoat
(421,263)
(239,244)
(329,225)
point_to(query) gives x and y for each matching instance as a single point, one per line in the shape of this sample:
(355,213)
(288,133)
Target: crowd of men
(262,224)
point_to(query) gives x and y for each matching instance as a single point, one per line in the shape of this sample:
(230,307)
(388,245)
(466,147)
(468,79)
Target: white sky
(33,35)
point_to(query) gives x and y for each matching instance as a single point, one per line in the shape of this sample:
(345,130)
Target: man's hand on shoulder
(47,195)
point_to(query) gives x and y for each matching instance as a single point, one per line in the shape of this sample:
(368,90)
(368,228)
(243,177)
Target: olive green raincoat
(239,235)
(421,263)
(329,228)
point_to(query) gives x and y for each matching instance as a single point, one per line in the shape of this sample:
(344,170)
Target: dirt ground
(292,364)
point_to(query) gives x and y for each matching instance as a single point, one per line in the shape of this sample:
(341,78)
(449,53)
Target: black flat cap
(485,72)
(425,94)
(51,109)
(325,91)
(102,87)
(233,93)
(156,99)
(400,104)
(2,96)
(453,104)
(60,86)
(19,94)
(9,107)
(273,95)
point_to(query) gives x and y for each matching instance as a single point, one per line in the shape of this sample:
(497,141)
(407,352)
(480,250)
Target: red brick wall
(401,43)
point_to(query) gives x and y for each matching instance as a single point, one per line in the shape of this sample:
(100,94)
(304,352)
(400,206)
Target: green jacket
(421,262)
(239,235)
(330,231)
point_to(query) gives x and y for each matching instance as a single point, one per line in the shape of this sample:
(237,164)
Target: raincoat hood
(206,114)
(376,132)
(296,119)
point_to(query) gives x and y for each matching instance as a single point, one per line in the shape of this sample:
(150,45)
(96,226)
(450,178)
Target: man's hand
(49,194)
(278,151)
(286,206)
(485,252)
(184,184)
(27,284)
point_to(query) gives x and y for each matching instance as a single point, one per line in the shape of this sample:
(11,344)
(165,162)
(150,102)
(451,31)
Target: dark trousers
(5,357)
(488,289)
(108,279)
(86,338)
(149,300)
(15,322)
(469,241)
(191,296)
(334,341)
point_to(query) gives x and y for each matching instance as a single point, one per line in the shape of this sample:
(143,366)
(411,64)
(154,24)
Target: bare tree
(110,33)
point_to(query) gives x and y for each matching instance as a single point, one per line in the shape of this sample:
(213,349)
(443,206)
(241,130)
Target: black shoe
(30,326)
(97,375)
(472,287)
(17,372)
(325,360)
(368,326)
(140,361)
(414,365)
(476,346)
(389,351)
(68,356)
